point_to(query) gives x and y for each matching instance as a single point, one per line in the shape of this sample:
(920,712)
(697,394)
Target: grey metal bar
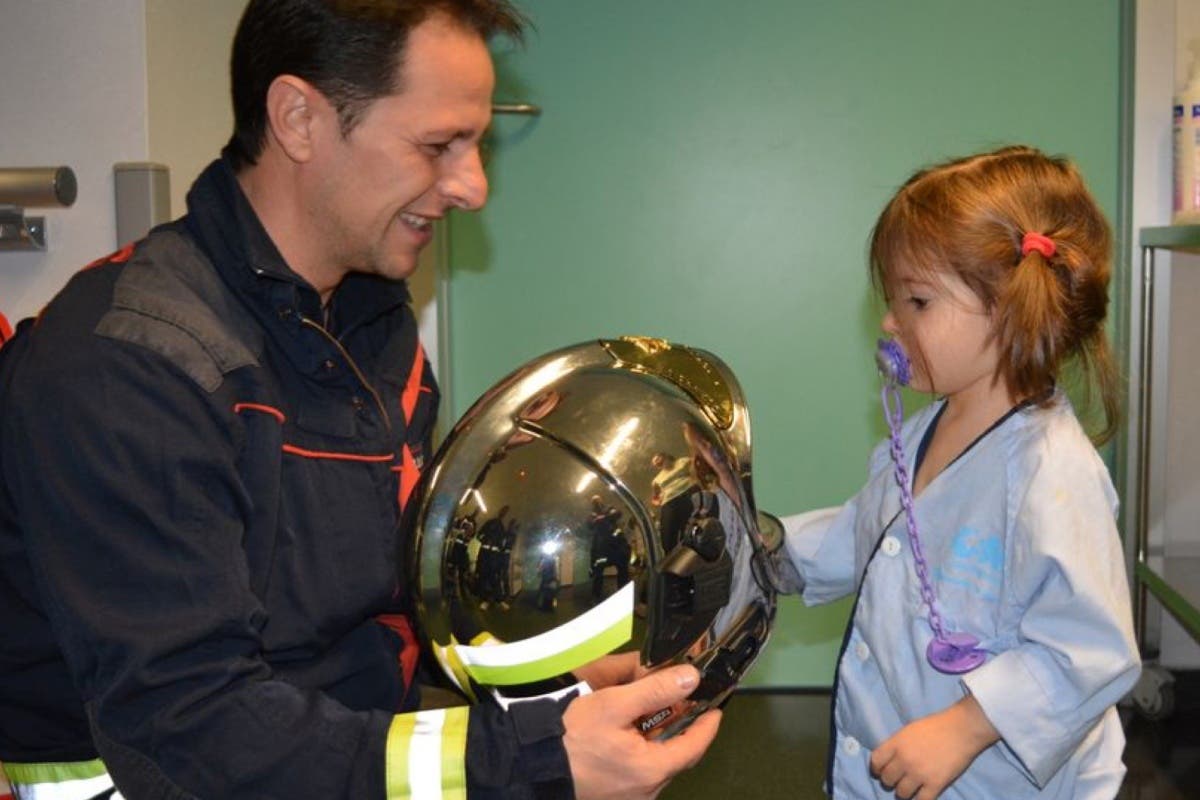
(517,108)
(37,186)
(1172,237)
(1145,372)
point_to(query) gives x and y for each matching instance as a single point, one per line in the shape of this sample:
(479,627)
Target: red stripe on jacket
(409,472)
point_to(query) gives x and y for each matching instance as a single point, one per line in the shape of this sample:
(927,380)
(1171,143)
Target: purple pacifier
(949,652)
(892,363)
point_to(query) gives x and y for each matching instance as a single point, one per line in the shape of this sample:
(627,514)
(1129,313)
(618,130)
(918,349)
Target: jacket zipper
(357,372)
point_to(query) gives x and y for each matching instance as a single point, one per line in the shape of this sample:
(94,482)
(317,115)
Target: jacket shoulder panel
(170,300)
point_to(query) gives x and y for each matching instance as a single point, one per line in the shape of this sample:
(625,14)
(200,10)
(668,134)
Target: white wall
(190,118)
(72,92)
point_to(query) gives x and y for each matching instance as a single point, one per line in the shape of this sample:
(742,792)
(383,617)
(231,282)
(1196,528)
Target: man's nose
(466,185)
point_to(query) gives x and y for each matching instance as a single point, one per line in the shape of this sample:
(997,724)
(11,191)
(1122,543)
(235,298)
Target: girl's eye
(918,303)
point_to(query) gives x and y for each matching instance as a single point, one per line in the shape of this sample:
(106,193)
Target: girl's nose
(889,325)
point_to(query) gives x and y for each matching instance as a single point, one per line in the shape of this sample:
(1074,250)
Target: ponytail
(1031,316)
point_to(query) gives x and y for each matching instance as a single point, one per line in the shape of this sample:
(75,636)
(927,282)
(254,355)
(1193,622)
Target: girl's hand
(924,757)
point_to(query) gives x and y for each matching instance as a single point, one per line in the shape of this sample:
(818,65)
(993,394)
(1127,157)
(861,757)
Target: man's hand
(609,756)
(924,757)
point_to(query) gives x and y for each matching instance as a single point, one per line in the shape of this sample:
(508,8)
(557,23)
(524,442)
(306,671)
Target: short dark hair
(350,50)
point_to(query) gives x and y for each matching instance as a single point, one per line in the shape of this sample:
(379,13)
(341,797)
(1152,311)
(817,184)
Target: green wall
(709,171)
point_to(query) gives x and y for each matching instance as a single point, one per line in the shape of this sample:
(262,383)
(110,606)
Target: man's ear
(296,113)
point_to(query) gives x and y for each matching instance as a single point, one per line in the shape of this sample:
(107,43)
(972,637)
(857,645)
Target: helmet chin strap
(949,652)
(579,689)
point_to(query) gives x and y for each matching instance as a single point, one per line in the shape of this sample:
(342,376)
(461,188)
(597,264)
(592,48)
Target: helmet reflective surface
(597,500)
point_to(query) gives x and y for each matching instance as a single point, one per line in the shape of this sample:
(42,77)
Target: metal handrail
(529,109)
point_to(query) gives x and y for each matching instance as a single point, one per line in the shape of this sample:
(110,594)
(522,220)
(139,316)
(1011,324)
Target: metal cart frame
(1146,579)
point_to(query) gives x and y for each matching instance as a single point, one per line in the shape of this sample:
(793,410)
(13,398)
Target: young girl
(995,269)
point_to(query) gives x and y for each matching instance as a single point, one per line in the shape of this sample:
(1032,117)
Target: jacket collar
(225,226)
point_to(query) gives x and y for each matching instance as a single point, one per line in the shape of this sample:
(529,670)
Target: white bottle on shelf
(1186,175)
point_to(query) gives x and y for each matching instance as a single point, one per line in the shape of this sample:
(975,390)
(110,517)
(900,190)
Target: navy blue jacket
(198,519)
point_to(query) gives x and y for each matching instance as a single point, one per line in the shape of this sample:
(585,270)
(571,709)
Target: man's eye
(436,148)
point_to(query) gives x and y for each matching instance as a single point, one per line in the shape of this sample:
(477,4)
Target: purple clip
(955,653)
(949,652)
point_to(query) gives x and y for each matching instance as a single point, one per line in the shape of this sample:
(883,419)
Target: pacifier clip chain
(951,653)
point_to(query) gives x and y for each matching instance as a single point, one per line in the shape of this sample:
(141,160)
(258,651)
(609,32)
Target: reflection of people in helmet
(709,464)
(540,406)
(458,559)
(489,563)
(609,546)
(670,490)
(547,593)
(504,565)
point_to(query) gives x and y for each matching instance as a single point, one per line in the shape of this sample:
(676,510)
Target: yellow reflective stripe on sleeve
(54,771)
(426,755)
(396,756)
(454,754)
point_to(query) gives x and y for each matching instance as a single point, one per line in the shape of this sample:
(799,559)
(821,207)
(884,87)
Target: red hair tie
(1036,241)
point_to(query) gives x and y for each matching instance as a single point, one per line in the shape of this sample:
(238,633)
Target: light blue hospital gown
(1023,552)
